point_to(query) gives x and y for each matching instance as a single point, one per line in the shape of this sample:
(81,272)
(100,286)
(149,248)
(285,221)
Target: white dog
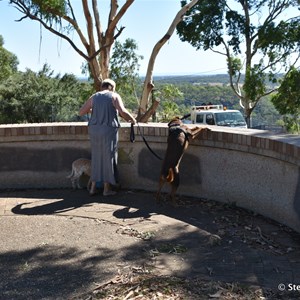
(79,167)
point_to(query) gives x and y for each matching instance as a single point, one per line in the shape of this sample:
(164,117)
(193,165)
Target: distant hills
(222,79)
(204,79)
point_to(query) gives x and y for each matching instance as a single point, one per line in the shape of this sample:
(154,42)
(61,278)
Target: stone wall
(249,168)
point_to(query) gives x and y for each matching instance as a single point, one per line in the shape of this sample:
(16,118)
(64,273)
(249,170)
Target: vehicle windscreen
(231,119)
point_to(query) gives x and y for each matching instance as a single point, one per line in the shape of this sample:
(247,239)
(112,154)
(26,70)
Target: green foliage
(265,114)
(274,38)
(292,124)
(170,98)
(287,100)
(46,6)
(56,16)
(168,92)
(254,85)
(169,110)
(197,94)
(210,23)
(125,61)
(234,66)
(8,62)
(49,10)
(235,24)
(204,27)
(124,70)
(29,97)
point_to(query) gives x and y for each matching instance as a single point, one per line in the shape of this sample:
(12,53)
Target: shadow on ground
(203,238)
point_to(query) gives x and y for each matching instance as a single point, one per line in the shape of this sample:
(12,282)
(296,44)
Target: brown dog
(178,141)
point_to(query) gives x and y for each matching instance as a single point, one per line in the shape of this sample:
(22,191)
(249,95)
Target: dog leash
(132,139)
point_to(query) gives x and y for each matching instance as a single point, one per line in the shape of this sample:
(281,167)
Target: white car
(217,115)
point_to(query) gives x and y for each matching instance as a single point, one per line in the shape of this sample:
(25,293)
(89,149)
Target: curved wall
(250,168)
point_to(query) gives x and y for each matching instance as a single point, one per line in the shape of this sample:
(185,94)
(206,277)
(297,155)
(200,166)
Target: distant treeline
(200,79)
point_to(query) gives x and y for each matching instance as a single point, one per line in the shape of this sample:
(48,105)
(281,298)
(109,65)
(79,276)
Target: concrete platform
(56,244)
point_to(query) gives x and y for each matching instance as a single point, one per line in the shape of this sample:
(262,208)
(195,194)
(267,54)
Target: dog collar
(174,125)
(177,128)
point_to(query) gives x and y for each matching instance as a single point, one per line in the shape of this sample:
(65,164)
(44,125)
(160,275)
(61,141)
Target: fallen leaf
(217,294)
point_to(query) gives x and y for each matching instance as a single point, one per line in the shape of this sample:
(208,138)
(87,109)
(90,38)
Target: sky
(146,21)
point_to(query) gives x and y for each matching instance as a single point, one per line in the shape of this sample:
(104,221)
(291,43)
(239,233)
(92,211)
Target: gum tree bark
(143,114)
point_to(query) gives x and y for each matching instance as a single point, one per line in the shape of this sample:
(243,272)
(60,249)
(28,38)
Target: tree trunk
(148,84)
(95,73)
(248,117)
(151,111)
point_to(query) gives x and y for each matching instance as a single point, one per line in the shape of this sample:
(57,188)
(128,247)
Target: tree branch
(96,53)
(236,91)
(150,112)
(114,21)
(32,17)
(97,22)
(89,25)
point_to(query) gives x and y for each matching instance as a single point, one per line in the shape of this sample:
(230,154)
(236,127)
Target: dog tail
(71,175)
(170,177)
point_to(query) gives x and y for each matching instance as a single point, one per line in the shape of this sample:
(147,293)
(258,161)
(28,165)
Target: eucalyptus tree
(94,42)
(124,69)
(255,37)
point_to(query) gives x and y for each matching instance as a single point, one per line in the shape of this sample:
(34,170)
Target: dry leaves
(150,287)
(127,230)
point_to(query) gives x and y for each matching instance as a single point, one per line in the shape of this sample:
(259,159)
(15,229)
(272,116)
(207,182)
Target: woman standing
(103,131)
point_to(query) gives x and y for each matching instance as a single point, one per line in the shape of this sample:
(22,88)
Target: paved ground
(56,244)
